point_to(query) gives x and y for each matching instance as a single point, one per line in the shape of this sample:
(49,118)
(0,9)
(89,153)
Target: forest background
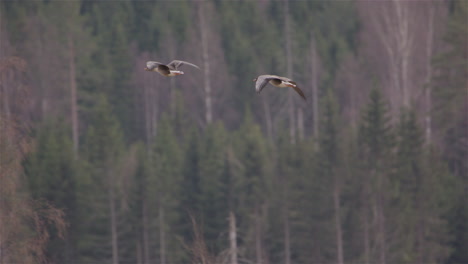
(103,162)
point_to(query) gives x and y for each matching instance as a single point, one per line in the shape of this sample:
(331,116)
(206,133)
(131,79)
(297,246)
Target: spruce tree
(103,150)
(52,173)
(376,143)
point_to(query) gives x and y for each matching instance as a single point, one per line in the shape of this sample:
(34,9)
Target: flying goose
(278,81)
(171,69)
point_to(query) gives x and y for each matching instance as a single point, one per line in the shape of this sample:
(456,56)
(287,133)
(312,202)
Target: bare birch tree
(292,130)
(206,62)
(314,84)
(232,238)
(73,96)
(390,22)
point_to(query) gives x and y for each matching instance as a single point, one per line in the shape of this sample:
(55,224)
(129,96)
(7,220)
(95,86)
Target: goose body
(169,70)
(278,81)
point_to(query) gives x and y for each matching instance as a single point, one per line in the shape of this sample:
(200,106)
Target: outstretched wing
(175,64)
(262,81)
(295,87)
(283,78)
(152,64)
(299,91)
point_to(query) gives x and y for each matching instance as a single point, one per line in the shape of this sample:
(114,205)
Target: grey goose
(278,81)
(169,70)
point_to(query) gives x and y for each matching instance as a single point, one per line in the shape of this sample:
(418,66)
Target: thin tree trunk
(404,47)
(292,127)
(162,236)
(339,236)
(147,116)
(232,238)
(206,63)
(43,88)
(73,97)
(420,237)
(154,110)
(113,216)
(268,120)
(145,232)
(287,243)
(139,254)
(315,107)
(381,230)
(289,70)
(172,95)
(4,79)
(300,123)
(366,239)
(258,236)
(430,40)
(148,103)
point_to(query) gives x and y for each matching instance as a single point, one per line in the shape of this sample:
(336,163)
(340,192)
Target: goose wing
(175,64)
(295,87)
(262,81)
(282,78)
(299,91)
(153,64)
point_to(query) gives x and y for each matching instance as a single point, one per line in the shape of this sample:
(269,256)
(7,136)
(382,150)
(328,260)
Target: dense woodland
(103,162)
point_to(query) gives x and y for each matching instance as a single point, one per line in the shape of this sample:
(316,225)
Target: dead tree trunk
(366,238)
(258,235)
(73,97)
(289,70)
(315,107)
(287,242)
(427,91)
(206,63)
(381,230)
(300,123)
(339,236)
(145,248)
(162,236)
(232,238)
(268,120)
(113,218)
(292,126)
(404,46)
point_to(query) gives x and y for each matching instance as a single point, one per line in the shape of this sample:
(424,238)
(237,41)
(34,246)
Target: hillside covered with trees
(104,162)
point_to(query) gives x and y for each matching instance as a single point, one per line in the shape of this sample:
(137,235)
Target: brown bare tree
(24,223)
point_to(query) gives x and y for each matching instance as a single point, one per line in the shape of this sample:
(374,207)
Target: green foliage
(375,132)
(210,171)
(52,173)
(250,147)
(450,118)
(214,201)
(104,139)
(422,186)
(103,152)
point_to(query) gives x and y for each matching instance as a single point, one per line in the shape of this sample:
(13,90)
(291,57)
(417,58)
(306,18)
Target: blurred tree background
(103,162)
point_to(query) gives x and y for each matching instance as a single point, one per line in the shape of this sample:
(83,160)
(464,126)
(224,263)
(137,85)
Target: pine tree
(419,201)
(329,162)
(375,142)
(190,188)
(163,184)
(51,173)
(450,118)
(214,191)
(103,150)
(251,192)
